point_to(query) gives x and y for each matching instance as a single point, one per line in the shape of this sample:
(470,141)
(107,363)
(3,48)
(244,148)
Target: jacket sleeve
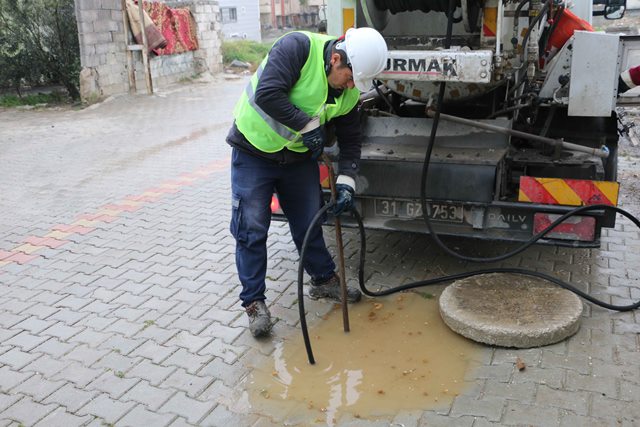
(281,72)
(349,137)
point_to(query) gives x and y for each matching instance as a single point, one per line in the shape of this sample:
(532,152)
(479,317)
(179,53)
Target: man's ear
(335,58)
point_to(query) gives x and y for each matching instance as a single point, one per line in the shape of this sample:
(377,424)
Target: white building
(240,19)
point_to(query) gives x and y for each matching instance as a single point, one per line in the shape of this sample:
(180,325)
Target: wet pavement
(118,295)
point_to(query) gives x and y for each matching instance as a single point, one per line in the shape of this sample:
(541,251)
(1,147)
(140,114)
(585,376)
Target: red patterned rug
(176,25)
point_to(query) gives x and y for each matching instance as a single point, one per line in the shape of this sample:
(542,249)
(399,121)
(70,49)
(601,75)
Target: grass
(148,323)
(245,51)
(55,98)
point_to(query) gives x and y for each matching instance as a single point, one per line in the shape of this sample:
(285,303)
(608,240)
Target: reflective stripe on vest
(278,127)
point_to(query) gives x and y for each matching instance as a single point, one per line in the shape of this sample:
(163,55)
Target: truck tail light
(581,228)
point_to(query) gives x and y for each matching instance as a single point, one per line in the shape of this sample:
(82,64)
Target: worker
(629,79)
(307,81)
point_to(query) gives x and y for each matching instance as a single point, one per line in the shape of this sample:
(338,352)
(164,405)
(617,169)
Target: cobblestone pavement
(118,299)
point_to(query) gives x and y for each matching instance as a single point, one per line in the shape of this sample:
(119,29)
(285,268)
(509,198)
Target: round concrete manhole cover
(510,310)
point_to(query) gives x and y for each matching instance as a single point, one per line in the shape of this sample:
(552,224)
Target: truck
(527,127)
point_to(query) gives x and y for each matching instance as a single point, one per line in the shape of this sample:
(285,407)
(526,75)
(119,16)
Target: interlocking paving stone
(151,396)
(37,387)
(26,411)
(153,351)
(187,407)
(25,341)
(6,400)
(107,408)
(140,416)
(151,372)
(113,383)
(61,418)
(10,378)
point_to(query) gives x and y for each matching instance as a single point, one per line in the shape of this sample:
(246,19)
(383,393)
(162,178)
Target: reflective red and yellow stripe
(571,192)
(490,21)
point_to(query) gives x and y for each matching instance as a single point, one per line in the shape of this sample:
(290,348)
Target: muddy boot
(331,290)
(259,318)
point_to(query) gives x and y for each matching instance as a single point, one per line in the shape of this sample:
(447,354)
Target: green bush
(245,51)
(39,44)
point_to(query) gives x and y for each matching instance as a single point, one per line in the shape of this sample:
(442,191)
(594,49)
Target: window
(229,14)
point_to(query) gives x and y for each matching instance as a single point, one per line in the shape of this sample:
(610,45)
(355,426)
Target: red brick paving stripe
(73,228)
(22,258)
(179,182)
(188,176)
(143,198)
(170,185)
(160,190)
(97,217)
(49,242)
(27,248)
(121,207)
(150,195)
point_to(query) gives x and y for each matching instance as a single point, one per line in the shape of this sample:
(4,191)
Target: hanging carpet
(177,25)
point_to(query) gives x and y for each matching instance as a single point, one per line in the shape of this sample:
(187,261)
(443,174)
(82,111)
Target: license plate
(448,212)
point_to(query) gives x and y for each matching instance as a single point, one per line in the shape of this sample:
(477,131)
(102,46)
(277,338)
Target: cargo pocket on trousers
(236,227)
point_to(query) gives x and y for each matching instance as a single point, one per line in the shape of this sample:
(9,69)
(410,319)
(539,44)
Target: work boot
(259,318)
(331,290)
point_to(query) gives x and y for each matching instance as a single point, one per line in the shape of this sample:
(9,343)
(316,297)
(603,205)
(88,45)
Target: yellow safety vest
(309,94)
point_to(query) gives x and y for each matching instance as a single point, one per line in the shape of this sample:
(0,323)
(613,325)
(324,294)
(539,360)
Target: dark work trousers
(253,182)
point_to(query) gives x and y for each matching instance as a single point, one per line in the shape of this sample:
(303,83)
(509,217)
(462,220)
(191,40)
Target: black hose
(303,250)
(534,22)
(522,72)
(376,85)
(438,280)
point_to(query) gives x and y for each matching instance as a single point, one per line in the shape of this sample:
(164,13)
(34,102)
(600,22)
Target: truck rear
(527,129)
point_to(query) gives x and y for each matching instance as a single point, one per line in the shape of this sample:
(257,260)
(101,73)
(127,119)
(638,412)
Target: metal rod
(553,142)
(338,227)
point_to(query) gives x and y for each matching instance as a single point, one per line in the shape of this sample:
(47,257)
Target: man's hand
(313,138)
(344,195)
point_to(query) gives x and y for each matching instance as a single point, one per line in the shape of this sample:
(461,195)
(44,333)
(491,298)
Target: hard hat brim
(363,85)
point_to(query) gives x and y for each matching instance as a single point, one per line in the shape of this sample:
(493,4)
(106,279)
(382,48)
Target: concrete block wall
(103,49)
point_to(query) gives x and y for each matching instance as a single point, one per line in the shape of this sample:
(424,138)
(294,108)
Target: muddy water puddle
(398,356)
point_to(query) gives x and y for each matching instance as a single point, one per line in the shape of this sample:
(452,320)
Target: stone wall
(103,49)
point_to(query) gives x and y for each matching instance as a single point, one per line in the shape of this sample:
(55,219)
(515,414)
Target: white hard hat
(367,54)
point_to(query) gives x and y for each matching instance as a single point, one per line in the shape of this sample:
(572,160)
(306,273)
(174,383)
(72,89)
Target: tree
(15,64)
(39,42)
